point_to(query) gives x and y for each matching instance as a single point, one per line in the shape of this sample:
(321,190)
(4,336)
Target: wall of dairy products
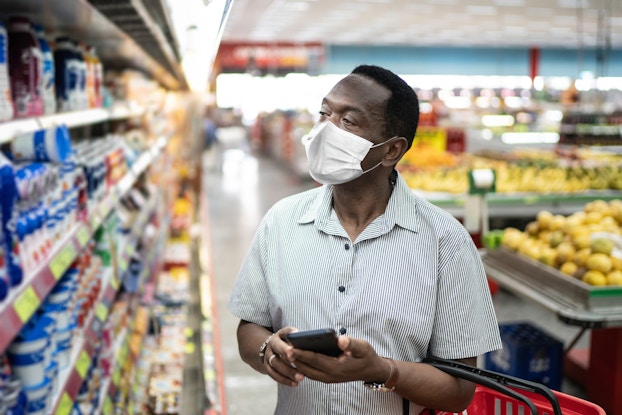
(468,61)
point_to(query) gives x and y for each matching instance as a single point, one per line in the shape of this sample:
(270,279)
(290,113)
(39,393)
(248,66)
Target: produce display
(586,245)
(536,171)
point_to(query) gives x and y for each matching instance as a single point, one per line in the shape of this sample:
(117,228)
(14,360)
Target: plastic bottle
(98,77)
(89,59)
(49,96)
(66,67)
(83,100)
(4,274)
(25,68)
(6,101)
(8,203)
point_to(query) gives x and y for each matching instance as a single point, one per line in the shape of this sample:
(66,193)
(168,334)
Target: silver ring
(270,360)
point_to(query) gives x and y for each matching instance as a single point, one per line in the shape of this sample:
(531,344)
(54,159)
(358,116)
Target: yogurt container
(27,355)
(39,398)
(51,144)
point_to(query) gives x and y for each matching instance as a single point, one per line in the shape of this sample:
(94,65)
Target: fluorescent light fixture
(457,102)
(497,121)
(530,138)
(553,115)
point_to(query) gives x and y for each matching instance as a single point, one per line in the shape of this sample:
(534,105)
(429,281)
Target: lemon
(569,268)
(614,277)
(599,262)
(594,277)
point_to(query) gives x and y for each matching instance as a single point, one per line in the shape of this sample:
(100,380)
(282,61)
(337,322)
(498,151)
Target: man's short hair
(402,109)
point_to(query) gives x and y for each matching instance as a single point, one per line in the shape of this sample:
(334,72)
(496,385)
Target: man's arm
(250,338)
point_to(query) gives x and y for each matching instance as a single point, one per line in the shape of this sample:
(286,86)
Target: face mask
(335,155)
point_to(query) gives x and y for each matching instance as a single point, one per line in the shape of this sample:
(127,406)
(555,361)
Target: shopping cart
(498,394)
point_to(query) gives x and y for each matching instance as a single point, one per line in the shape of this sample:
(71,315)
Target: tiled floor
(238,194)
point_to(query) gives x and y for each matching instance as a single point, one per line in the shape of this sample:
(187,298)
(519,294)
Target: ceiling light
(497,120)
(530,138)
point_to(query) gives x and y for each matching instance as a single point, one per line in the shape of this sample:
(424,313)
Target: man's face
(357,104)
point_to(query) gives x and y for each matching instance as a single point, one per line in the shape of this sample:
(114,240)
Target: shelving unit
(522,205)
(118,111)
(123,32)
(24,300)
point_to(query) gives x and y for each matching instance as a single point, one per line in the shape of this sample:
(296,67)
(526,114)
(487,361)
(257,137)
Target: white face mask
(335,155)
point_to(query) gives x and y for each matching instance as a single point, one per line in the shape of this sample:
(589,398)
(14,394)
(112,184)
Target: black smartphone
(320,341)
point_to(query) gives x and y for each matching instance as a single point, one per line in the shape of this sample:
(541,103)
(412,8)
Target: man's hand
(276,366)
(358,362)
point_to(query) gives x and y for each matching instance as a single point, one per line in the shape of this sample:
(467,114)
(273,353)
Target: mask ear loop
(374,146)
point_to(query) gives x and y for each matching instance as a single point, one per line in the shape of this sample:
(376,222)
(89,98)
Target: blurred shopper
(399,278)
(210,141)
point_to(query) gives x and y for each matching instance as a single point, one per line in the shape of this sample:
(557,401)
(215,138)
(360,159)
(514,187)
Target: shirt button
(342,330)
(347,246)
(342,288)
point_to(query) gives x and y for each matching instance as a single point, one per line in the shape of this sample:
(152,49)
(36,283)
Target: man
(397,277)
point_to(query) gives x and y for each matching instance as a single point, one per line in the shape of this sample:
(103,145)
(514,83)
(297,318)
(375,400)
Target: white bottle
(6,102)
(47,78)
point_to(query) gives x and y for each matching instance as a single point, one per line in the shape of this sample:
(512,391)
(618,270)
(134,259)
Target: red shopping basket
(499,394)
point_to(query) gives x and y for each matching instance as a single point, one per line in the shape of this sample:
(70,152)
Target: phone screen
(320,341)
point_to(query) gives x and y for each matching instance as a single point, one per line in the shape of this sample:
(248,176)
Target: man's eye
(323,114)
(346,121)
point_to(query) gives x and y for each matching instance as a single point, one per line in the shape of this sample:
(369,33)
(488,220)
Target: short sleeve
(465,324)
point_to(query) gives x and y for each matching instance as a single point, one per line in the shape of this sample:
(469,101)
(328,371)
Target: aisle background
(238,193)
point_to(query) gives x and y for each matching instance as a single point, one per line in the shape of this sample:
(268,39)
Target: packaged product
(25,68)
(47,82)
(6,101)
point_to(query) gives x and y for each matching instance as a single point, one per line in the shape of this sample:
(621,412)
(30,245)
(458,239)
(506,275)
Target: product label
(39,138)
(83,236)
(65,406)
(101,312)
(83,363)
(107,409)
(62,260)
(26,304)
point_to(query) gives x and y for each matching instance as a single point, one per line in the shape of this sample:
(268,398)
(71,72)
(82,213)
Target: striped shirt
(411,284)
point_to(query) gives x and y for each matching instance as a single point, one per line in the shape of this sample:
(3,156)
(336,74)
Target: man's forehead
(360,89)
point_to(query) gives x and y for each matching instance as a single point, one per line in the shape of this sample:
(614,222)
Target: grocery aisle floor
(238,192)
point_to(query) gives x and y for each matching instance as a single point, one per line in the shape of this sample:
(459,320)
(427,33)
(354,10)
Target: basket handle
(496,381)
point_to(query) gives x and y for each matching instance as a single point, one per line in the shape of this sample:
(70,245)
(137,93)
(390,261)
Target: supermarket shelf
(516,205)
(118,111)
(71,379)
(24,300)
(135,42)
(599,308)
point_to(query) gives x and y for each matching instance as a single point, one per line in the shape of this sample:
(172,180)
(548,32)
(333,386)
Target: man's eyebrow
(345,108)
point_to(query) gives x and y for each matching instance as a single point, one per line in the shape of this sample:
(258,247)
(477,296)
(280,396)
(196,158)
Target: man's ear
(397,149)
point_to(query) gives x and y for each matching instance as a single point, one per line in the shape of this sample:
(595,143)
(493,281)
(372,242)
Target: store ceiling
(475,23)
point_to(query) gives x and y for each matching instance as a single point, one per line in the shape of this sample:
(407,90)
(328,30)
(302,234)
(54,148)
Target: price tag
(26,304)
(101,312)
(83,363)
(107,409)
(65,405)
(189,348)
(130,249)
(114,283)
(94,220)
(123,355)
(62,260)
(122,263)
(83,236)
(116,376)
(530,200)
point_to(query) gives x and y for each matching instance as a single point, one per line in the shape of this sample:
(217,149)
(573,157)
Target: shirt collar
(401,209)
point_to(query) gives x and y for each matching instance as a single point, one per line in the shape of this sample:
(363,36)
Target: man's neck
(356,208)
